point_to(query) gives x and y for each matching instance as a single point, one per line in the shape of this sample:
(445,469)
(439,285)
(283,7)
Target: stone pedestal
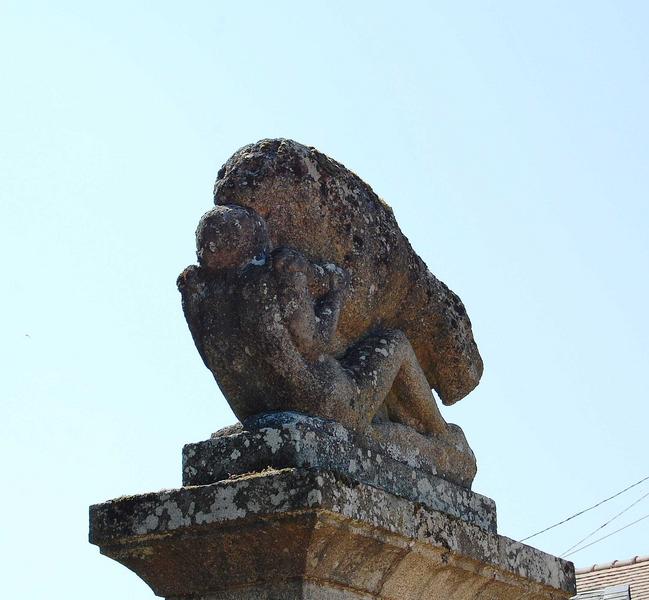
(295,507)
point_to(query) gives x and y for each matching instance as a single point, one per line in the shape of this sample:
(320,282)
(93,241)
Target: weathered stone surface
(316,205)
(308,297)
(264,531)
(281,440)
(286,590)
(326,333)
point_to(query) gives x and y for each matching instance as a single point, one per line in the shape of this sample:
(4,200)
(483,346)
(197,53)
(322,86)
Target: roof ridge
(612,565)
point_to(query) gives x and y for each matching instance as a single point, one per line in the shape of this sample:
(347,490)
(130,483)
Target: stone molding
(288,439)
(290,507)
(270,528)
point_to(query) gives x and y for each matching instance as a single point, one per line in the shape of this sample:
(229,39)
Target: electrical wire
(608,536)
(581,512)
(592,533)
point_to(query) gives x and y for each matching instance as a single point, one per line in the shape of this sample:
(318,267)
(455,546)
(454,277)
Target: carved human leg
(383,362)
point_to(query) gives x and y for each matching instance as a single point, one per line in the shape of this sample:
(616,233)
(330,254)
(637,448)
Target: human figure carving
(317,206)
(308,297)
(264,321)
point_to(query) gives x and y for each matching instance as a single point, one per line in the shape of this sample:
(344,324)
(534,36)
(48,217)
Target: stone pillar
(295,507)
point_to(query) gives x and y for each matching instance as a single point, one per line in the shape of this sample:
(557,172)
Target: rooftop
(617,580)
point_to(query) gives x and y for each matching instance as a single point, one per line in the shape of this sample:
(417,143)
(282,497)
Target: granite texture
(285,590)
(281,440)
(327,334)
(316,205)
(308,297)
(271,528)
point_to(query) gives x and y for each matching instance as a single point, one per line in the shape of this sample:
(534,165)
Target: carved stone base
(405,466)
(320,531)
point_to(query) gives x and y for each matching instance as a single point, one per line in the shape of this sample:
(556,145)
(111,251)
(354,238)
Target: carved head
(231,237)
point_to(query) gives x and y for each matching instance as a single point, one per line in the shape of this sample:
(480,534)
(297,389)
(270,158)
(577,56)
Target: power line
(565,552)
(608,536)
(581,512)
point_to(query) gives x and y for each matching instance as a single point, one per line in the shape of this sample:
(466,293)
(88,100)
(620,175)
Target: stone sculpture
(308,298)
(326,333)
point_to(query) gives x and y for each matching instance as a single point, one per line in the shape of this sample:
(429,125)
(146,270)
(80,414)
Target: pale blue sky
(509,137)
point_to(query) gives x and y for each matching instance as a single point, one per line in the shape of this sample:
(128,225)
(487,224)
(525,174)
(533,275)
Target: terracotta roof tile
(607,581)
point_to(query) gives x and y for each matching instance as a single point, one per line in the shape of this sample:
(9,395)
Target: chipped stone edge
(297,441)
(135,519)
